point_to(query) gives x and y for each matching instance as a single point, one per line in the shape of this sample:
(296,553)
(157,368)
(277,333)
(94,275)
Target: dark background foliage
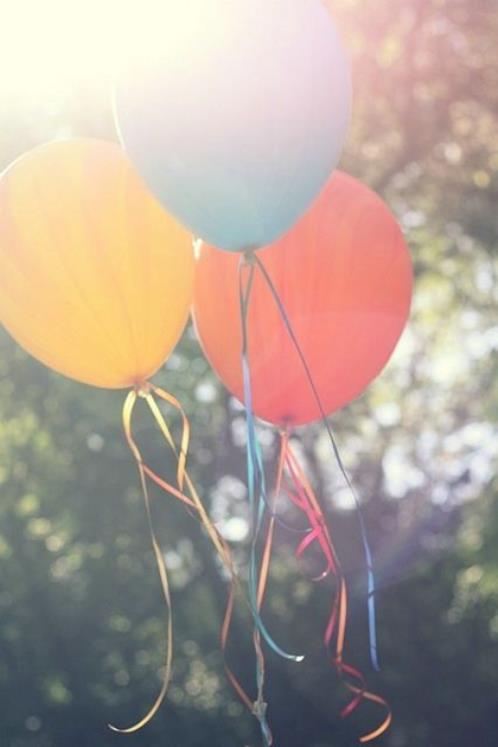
(81,616)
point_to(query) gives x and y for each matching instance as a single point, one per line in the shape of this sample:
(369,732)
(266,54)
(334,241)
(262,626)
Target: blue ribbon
(372,628)
(258,501)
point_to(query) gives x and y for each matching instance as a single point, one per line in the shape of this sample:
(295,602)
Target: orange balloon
(344,276)
(96,279)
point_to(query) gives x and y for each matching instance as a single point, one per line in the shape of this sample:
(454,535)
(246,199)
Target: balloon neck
(285,427)
(249,256)
(142,388)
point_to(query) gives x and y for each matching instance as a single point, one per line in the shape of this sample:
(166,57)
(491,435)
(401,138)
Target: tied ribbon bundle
(301,494)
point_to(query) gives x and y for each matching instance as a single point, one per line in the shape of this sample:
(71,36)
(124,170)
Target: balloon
(344,277)
(96,278)
(235,113)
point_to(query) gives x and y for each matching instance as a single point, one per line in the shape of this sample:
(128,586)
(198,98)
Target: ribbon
(302,495)
(366,547)
(161,566)
(258,502)
(196,508)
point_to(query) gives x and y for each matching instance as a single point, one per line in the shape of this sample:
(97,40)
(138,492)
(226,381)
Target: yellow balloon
(96,279)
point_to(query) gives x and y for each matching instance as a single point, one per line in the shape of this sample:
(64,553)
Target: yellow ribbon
(194,503)
(161,566)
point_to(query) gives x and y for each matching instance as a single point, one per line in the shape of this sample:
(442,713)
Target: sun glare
(51,47)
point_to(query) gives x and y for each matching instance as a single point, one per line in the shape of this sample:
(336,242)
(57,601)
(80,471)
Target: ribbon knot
(259,709)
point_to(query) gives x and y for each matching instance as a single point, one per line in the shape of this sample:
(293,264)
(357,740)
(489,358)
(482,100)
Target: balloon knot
(286,425)
(142,388)
(249,258)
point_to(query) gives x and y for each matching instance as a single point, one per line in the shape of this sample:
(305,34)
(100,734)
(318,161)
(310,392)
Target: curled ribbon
(195,506)
(303,496)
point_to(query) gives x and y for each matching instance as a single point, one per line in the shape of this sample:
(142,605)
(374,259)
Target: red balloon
(344,276)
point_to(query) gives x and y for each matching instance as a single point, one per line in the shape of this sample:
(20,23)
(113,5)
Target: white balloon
(235,112)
